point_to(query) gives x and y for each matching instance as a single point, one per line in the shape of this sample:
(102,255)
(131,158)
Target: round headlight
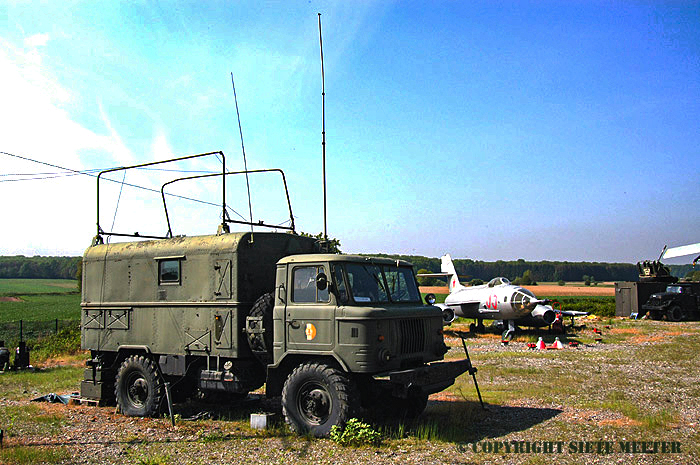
(430,298)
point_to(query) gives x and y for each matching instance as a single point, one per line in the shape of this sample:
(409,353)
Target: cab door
(309,311)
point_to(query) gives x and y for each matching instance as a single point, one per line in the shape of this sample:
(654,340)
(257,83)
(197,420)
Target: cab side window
(169,271)
(340,284)
(305,290)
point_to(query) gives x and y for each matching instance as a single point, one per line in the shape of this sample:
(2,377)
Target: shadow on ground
(465,421)
(446,420)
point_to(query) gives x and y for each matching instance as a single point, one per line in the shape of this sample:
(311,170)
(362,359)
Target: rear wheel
(138,388)
(316,397)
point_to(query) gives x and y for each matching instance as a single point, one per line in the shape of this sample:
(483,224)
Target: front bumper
(430,378)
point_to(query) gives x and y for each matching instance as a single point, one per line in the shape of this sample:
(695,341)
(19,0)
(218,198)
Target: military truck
(681,301)
(228,313)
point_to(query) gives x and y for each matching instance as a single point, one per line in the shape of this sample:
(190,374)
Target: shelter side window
(305,289)
(169,271)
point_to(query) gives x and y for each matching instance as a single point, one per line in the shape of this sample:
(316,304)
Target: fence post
(20,331)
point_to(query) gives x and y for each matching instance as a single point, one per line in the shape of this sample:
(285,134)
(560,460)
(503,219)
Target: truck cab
(680,301)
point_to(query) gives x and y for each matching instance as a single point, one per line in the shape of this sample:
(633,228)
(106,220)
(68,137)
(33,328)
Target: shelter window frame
(169,271)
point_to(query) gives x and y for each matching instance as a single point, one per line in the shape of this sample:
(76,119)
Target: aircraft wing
(571,313)
(691,249)
(432,275)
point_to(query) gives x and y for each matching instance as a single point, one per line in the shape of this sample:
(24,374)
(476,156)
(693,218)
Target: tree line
(19,266)
(548,271)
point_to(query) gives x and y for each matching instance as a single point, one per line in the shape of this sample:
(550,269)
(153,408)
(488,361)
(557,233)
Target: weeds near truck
(355,433)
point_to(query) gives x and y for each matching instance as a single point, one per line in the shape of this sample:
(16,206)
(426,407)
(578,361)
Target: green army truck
(230,313)
(222,315)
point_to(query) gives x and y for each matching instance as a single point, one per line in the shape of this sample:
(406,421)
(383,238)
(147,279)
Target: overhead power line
(90,172)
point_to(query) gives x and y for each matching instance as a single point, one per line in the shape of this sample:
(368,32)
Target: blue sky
(535,130)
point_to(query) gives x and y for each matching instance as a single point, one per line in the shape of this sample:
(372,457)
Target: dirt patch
(643,339)
(624,421)
(434,289)
(582,291)
(446,396)
(67,360)
(10,299)
(624,331)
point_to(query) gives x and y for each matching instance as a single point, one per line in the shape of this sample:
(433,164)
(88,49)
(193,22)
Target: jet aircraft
(496,300)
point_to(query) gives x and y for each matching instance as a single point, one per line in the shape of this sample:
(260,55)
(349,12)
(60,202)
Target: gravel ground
(567,414)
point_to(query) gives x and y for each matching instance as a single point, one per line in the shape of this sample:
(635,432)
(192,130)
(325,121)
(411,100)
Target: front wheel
(138,388)
(675,313)
(316,397)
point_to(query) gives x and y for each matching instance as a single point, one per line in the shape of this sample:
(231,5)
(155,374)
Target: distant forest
(539,271)
(20,266)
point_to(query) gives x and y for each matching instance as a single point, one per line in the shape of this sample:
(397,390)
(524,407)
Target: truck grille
(412,336)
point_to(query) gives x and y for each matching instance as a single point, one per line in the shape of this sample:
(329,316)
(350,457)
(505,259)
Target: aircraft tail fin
(449,268)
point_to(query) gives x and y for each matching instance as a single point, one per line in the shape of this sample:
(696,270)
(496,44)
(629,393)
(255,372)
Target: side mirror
(430,298)
(321,281)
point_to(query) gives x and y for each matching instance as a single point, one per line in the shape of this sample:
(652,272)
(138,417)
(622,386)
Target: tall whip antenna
(323,143)
(245,162)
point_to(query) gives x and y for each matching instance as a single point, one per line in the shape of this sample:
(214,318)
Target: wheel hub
(138,391)
(314,404)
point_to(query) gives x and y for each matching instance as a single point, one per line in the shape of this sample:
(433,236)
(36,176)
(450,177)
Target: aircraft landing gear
(508,333)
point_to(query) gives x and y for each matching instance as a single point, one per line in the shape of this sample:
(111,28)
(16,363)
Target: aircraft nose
(523,303)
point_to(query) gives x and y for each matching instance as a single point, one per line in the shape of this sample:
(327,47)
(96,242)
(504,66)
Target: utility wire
(40,176)
(45,174)
(115,181)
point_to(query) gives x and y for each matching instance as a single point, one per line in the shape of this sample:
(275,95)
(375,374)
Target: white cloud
(53,215)
(37,40)
(119,150)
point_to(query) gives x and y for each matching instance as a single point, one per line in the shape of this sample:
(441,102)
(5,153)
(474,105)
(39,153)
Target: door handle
(294,324)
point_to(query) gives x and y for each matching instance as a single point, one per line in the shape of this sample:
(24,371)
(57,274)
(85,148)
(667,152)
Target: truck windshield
(374,284)
(401,283)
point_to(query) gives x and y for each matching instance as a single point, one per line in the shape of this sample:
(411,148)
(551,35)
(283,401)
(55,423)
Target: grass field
(640,384)
(13,287)
(41,308)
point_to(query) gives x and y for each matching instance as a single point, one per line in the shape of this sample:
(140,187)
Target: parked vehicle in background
(680,301)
